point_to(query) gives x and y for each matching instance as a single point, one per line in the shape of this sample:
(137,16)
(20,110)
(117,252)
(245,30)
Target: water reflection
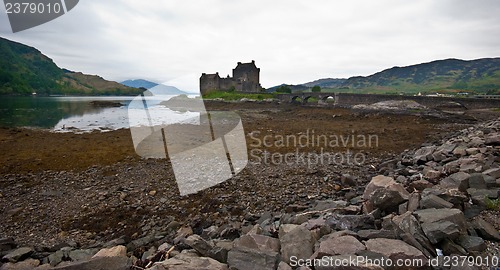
(65,114)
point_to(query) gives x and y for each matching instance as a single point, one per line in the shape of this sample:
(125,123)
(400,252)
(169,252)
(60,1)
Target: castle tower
(246,76)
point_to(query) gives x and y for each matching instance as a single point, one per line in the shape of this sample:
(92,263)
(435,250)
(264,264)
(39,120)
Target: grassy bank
(231,96)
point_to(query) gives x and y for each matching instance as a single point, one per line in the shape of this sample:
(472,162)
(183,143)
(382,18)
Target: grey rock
(199,244)
(472,243)
(347,258)
(17,254)
(460,150)
(459,180)
(492,139)
(479,196)
(433,201)
(420,185)
(7,244)
(56,257)
(493,172)
(342,245)
(449,247)
(254,252)
(394,249)
(182,233)
(148,254)
(424,154)
(140,242)
(437,215)
(24,265)
(173,225)
(284,266)
(385,183)
(385,199)
(164,247)
(438,231)
(413,202)
(407,223)
(446,148)
(351,222)
(118,251)
(439,224)
(100,263)
(491,182)
(371,234)
(329,204)
(431,174)
(476,180)
(298,242)
(472,151)
(185,261)
(348,180)
(451,167)
(486,230)
(115,242)
(82,254)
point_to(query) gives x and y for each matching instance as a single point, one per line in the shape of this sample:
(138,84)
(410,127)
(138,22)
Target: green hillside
(24,70)
(480,76)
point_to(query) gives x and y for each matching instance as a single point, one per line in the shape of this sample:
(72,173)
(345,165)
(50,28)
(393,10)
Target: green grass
(492,204)
(231,96)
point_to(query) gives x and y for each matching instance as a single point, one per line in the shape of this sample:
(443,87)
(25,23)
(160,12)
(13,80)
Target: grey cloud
(292,41)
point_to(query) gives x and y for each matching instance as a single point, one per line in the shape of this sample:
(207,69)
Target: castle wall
(245,79)
(209,82)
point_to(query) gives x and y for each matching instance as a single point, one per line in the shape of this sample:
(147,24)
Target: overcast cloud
(174,41)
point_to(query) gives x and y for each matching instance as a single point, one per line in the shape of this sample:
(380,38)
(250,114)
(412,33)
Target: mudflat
(93,187)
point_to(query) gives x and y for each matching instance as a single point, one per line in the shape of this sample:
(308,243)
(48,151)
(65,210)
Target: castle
(245,79)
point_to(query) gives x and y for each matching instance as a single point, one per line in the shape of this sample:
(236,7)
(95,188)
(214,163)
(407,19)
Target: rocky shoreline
(437,199)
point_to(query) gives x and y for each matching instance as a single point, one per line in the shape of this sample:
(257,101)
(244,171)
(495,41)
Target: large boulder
(190,262)
(472,243)
(424,154)
(458,180)
(433,201)
(24,265)
(486,230)
(99,263)
(439,224)
(17,254)
(476,180)
(351,222)
(384,182)
(395,250)
(298,242)
(254,251)
(384,193)
(342,245)
(118,251)
(347,262)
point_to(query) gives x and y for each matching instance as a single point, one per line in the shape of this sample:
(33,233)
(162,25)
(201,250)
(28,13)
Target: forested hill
(24,70)
(480,76)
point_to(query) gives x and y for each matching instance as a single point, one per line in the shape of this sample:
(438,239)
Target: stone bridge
(347,100)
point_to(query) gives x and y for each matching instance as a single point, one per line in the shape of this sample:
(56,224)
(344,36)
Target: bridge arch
(297,99)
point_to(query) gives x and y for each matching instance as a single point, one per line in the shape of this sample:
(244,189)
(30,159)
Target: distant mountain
(162,89)
(293,88)
(480,76)
(157,89)
(139,83)
(326,83)
(24,70)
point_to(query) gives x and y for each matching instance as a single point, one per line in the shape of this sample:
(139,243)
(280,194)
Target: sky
(291,41)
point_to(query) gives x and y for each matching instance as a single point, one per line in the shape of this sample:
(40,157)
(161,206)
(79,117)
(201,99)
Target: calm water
(76,114)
